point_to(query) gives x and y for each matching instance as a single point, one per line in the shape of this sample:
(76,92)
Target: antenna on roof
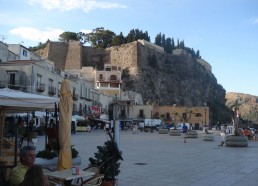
(3,37)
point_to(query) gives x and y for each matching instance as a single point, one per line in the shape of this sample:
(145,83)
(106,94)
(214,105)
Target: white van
(179,126)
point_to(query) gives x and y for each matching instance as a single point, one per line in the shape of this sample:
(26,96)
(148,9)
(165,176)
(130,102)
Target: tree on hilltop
(158,39)
(66,36)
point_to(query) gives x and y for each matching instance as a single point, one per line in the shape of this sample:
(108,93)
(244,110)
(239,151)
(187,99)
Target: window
(141,113)
(184,116)
(59,88)
(12,79)
(50,81)
(108,68)
(24,53)
(113,77)
(167,115)
(100,76)
(39,80)
(86,92)
(198,115)
(114,68)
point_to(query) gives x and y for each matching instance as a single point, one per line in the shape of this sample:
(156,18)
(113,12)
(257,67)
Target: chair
(94,181)
(94,169)
(52,181)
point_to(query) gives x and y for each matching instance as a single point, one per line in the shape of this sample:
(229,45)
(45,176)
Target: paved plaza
(152,159)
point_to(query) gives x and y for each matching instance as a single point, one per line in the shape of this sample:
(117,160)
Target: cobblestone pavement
(152,159)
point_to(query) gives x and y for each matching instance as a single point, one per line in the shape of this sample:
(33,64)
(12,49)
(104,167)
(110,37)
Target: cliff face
(248,105)
(165,78)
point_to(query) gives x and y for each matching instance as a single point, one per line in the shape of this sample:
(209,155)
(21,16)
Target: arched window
(198,115)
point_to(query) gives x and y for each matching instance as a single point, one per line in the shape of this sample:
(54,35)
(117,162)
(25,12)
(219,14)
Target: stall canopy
(17,101)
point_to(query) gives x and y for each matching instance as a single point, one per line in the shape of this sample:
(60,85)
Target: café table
(66,177)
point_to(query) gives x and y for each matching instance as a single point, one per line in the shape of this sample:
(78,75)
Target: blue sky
(224,31)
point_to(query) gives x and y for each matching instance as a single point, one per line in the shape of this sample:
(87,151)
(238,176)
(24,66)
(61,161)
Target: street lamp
(205,110)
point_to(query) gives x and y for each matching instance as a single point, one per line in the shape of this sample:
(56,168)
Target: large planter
(236,141)
(208,136)
(175,133)
(108,183)
(52,163)
(163,131)
(192,134)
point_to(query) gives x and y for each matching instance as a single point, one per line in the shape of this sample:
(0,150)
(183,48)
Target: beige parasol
(66,107)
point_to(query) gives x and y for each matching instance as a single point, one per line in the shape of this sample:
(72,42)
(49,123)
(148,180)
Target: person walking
(185,130)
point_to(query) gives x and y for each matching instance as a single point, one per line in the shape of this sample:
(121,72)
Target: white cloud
(86,31)
(66,5)
(36,35)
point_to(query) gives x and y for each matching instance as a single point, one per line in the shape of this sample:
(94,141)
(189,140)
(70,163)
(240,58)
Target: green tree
(118,40)
(182,44)
(131,36)
(146,36)
(100,38)
(163,41)
(158,39)
(198,53)
(173,44)
(177,46)
(168,46)
(66,36)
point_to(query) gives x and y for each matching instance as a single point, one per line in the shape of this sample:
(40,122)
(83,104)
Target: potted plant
(49,156)
(107,159)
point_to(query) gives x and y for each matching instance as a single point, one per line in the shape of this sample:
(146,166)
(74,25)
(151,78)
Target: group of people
(26,173)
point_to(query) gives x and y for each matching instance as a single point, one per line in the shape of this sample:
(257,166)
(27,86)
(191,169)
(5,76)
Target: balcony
(14,86)
(141,116)
(40,87)
(51,90)
(75,97)
(2,84)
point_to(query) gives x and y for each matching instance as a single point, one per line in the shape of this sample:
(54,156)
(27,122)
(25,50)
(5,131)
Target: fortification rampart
(74,55)
(57,52)
(125,55)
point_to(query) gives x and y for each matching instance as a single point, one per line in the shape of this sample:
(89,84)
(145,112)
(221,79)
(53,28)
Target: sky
(224,31)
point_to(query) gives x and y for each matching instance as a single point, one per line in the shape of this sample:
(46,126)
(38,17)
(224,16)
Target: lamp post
(205,110)
(116,122)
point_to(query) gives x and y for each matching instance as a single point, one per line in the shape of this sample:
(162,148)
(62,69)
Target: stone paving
(152,159)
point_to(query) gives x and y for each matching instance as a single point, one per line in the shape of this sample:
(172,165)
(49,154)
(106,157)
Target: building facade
(198,117)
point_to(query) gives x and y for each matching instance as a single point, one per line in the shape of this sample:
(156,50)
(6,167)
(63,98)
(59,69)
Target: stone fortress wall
(73,55)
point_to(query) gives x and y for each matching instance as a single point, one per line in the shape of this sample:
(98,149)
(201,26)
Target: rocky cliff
(165,78)
(248,105)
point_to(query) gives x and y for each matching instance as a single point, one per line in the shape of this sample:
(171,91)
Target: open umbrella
(64,132)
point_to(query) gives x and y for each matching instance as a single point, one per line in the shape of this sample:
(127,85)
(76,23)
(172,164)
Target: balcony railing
(14,86)
(51,90)
(2,84)
(141,116)
(41,87)
(122,116)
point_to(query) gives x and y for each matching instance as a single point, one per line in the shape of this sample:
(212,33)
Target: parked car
(180,126)
(166,126)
